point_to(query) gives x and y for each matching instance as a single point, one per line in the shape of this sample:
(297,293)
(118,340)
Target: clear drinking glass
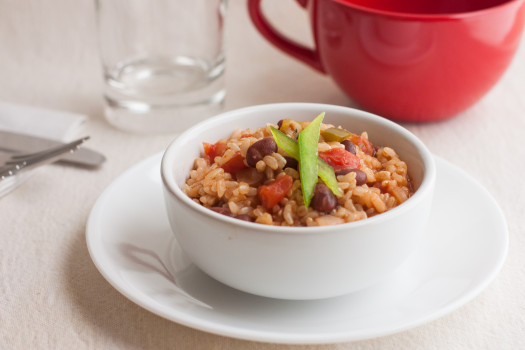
(163,62)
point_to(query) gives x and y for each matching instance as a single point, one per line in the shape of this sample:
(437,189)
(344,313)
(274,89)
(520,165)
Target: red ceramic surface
(414,61)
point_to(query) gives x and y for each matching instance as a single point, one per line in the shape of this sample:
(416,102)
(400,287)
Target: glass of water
(163,62)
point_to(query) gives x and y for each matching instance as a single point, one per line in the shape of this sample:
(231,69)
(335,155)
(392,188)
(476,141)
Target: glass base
(163,95)
(141,118)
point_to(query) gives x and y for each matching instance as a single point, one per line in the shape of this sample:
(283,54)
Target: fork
(22,162)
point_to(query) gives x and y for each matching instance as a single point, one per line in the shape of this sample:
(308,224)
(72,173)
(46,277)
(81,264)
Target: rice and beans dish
(278,175)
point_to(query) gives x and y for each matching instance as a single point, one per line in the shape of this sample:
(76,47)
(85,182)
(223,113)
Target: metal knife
(15,142)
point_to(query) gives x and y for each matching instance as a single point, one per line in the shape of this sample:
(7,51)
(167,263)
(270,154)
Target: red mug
(414,61)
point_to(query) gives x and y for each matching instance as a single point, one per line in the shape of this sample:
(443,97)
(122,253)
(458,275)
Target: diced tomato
(270,195)
(235,164)
(340,159)
(214,150)
(363,143)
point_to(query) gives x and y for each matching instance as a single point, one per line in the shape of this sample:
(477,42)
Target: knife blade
(14,143)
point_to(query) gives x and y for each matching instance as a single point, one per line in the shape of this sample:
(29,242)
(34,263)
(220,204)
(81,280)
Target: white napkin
(52,124)
(57,125)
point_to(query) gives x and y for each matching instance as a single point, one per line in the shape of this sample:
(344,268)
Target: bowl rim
(431,17)
(427,183)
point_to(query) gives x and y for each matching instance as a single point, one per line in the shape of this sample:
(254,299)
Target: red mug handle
(290,47)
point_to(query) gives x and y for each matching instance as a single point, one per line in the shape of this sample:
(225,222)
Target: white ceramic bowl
(297,262)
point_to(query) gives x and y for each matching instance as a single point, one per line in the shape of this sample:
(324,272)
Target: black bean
(222,210)
(360,176)
(291,162)
(259,149)
(349,146)
(376,148)
(323,200)
(244,217)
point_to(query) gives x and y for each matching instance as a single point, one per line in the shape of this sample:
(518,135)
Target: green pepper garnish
(308,170)
(335,134)
(325,171)
(327,174)
(288,144)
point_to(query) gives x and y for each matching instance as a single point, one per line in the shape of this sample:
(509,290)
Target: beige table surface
(51,294)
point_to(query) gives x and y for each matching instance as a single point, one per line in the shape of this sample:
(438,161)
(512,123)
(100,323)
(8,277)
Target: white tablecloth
(51,294)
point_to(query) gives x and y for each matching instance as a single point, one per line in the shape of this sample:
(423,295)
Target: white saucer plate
(130,242)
